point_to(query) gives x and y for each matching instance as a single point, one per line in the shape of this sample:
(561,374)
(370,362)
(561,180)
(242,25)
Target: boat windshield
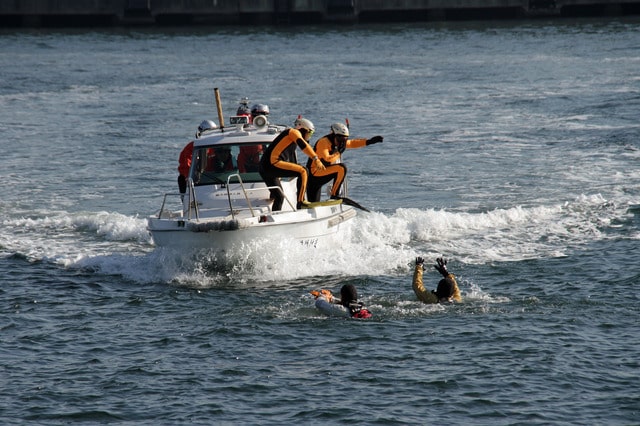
(214,164)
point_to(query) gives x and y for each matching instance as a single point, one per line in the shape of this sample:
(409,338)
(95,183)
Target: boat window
(214,164)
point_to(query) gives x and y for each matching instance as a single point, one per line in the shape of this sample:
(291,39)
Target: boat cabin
(225,169)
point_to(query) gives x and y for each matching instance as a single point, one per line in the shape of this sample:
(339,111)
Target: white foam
(65,237)
(375,244)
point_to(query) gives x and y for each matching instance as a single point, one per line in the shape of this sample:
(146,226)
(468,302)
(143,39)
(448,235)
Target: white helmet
(339,129)
(303,123)
(204,126)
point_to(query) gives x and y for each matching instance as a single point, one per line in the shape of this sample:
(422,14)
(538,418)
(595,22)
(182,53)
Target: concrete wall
(176,12)
(52,7)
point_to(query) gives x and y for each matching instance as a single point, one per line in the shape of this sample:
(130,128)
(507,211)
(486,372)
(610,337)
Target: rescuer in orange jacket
(329,149)
(447,290)
(279,160)
(184,160)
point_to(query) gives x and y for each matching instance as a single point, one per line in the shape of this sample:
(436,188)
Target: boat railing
(192,196)
(246,191)
(164,202)
(194,203)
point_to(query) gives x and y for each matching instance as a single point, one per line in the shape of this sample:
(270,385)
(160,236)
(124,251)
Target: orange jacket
(329,154)
(184,161)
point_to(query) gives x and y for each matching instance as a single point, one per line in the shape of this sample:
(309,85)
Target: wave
(60,237)
(500,235)
(375,244)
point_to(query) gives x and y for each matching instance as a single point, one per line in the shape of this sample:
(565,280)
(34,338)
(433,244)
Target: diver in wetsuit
(447,290)
(279,160)
(329,149)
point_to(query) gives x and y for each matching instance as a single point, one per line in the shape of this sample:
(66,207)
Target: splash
(512,234)
(63,237)
(375,244)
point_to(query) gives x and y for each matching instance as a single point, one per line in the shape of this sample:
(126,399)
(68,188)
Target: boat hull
(306,226)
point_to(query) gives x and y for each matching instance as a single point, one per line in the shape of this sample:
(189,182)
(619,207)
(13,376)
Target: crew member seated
(221,160)
(249,158)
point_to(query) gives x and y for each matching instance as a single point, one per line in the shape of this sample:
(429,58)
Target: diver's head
(305,127)
(445,289)
(340,132)
(348,295)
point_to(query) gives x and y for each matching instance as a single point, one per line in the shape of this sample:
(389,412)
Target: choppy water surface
(510,148)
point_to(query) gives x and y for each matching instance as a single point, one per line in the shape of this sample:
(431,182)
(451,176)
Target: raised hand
(441,267)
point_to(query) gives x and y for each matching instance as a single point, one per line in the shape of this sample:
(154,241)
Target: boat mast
(219,106)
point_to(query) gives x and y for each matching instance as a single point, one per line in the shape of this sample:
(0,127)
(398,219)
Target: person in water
(447,290)
(329,149)
(349,305)
(279,160)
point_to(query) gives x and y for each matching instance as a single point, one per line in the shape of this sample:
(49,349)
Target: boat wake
(375,243)
(500,235)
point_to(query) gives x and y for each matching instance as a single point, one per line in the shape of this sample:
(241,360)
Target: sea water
(510,148)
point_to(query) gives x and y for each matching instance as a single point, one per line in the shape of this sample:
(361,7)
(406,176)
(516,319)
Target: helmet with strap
(303,123)
(339,129)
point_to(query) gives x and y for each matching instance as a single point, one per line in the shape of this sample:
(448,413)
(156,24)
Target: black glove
(374,139)
(420,262)
(441,267)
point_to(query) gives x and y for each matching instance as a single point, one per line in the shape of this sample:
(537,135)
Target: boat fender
(220,225)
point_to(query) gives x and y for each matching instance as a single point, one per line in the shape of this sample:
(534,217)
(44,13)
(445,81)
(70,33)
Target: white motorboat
(228,204)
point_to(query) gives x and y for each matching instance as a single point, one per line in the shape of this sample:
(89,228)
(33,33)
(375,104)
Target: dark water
(510,148)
